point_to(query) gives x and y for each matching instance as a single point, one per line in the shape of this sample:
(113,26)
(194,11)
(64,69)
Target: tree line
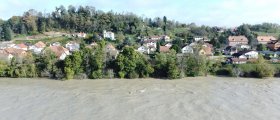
(94,63)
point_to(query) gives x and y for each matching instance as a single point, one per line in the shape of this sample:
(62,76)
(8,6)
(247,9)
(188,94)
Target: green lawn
(270,34)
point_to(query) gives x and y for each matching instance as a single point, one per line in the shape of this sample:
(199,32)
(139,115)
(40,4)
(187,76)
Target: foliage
(132,64)
(196,66)
(166,65)
(263,69)
(261,47)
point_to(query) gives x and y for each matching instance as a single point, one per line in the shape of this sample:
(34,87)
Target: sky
(223,13)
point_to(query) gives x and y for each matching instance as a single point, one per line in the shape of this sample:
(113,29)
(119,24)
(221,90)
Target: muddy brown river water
(203,98)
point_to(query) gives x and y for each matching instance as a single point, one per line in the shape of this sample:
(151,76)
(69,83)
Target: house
(197,38)
(144,50)
(273,45)
(38,47)
(111,51)
(81,35)
(5,56)
(7,44)
(207,51)
(166,38)
(109,35)
(150,43)
(164,49)
(187,49)
(21,46)
(229,50)
(56,44)
(249,54)
(265,39)
(241,46)
(156,37)
(238,60)
(19,53)
(168,45)
(72,46)
(59,51)
(235,40)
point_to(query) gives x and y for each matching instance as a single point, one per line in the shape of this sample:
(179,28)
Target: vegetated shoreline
(148,78)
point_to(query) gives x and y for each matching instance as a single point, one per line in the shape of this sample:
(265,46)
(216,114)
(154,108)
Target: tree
(261,47)
(166,65)
(165,24)
(132,64)
(68,68)
(264,69)
(8,33)
(196,66)
(97,62)
(41,25)
(176,48)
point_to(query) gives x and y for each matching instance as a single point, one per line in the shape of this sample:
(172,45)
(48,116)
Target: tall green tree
(7,32)
(132,64)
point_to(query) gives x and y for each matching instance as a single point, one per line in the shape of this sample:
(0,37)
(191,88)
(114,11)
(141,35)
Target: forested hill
(88,19)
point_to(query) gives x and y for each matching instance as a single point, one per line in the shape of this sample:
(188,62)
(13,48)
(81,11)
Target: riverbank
(140,99)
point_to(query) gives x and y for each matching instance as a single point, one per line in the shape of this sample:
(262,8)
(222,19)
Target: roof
(58,50)
(274,42)
(239,59)
(40,44)
(110,47)
(155,37)
(208,50)
(265,38)
(241,53)
(16,52)
(164,49)
(237,39)
(21,45)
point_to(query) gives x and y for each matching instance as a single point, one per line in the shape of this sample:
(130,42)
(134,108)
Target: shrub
(264,70)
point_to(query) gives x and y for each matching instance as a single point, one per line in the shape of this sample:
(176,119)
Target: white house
(109,35)
(150,43)
(81,35)
(229,50)
(143,49)
(56,44)
(168,45)
(196,39)
(243,46)
(249,54)
(166,38)
(72,46)
(187,49)
(38,47)
(21,46)
(60,52)
(252,54)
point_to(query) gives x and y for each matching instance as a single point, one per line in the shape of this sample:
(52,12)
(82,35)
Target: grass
(269,34)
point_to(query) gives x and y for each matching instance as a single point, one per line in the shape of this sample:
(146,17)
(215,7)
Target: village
(237,51)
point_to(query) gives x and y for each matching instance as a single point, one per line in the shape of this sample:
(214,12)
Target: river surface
(203,98)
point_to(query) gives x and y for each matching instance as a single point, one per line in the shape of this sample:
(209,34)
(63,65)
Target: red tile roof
(40,44)
(164,49)
(237,39)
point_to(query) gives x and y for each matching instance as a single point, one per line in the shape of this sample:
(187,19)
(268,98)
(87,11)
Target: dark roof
(241,53)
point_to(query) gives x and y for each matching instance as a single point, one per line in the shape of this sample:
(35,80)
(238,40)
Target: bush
(110,73)
(121,74)
(265,70)
(96,74)
(133,75)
